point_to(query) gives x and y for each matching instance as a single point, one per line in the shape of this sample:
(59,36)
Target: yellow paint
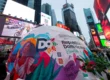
(32,40)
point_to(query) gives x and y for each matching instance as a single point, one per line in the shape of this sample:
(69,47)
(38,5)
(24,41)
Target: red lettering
(6,42)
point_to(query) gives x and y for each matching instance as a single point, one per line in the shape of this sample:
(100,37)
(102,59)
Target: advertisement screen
(100,7)
(17,28)
(100,31)
(99,28)
(13,8)
(108,14)
(106,28)
(95,37)
(45,19)
(93,31)
(105,43)
(105,40)
(102,37)
(107,32)
(62,26)
(96,40)
(6,41)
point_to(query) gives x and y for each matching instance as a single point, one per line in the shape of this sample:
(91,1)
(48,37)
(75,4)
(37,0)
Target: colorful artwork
(41,56)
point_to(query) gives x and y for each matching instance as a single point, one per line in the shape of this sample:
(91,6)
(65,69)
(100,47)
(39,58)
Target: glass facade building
(24,2)
(2,5)
(54,19)
(31,3)
(88,16)
(94,37)
(69,18)
(37,7)
(46,8)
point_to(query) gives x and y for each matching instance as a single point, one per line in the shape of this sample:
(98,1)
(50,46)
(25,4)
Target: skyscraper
(37,7)
(31,3)
(88,16)
(24,2)
(2,5)
(46,8)
(69,18)
(35,4)
(54,19)
(94,38)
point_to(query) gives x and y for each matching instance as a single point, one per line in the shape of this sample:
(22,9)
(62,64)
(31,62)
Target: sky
(78,9)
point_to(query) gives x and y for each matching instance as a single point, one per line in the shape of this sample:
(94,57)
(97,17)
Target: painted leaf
(36,73)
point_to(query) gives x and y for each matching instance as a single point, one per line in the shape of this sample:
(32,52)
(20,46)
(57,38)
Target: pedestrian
(3,72)
(7,54)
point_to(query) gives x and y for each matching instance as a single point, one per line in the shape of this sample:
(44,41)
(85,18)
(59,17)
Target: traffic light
(2,5)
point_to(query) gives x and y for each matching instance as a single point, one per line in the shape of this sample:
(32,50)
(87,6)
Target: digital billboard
(106,28)
(105,43)
(100,31)
(62,26)
(18,10)
(93,32)
(45,19)
(95,37)
(107,32)
(96,40)
(16,28)
(104,39)
(99,28)
(100,7)
(108,14)
(4,41)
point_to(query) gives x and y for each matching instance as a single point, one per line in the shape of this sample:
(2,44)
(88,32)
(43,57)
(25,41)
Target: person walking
(3,72)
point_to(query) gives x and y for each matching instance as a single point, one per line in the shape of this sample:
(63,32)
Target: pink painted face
(26,49)
(26,59)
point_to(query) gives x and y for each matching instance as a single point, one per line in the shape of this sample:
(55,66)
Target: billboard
(15,9)
(95,37)
(5,41)
(45,19)
(103,34)
(100,31)
(16,28)
(106,28)
(93,32)
(107,32)
(62,26)
(96,40)
(100,7)
(103,38)
(105,43)
(108,14)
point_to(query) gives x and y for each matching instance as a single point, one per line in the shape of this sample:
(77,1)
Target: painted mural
(46,57)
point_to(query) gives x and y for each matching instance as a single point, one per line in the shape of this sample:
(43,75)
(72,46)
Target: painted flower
(91,65)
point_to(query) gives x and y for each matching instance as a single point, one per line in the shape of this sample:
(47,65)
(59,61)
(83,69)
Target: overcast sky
(78,8)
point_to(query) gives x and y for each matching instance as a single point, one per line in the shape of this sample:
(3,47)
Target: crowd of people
(3,58)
